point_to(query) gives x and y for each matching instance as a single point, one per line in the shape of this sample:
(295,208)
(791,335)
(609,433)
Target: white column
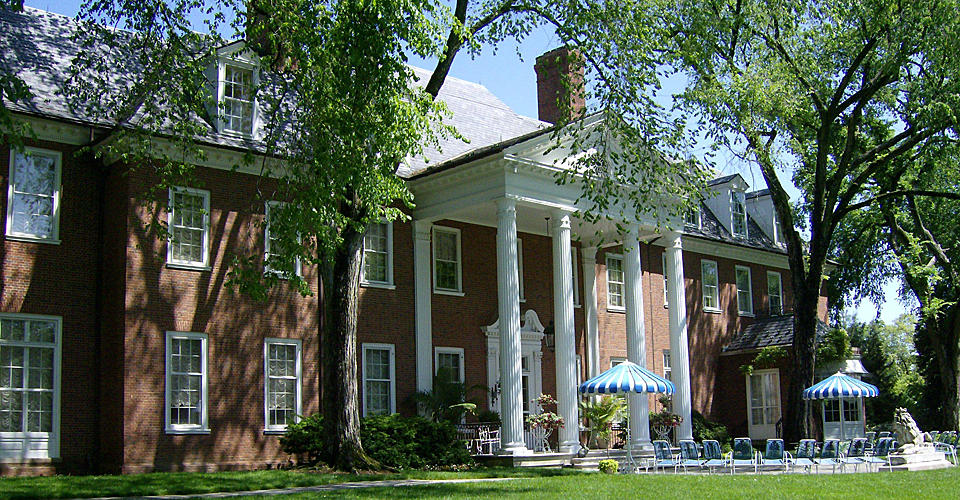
(566,348)
(636,341)
(677,312)
(590,310)
(508,305)
(423,295)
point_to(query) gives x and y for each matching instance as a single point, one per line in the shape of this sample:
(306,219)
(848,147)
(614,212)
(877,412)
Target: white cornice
(58,131)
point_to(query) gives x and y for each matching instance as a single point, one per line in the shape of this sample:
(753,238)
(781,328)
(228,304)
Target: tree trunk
(797,420)
(340,403)
(950,368)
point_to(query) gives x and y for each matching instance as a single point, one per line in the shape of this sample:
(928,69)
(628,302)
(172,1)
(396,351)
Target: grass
(169,483)
(867,486)
(532,483)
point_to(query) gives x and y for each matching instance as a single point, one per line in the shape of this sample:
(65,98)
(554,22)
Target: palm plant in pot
(600,413)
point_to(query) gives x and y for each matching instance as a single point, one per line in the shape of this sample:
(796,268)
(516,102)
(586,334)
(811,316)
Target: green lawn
(165,483)
(873,486)
(533,483)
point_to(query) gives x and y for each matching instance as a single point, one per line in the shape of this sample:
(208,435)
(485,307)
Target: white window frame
(738,199)
(667,365)
(297,265)
(52,438)
(203,265)
(393,374)
(663,268)
(777,230)
(616,360)
(448,291)
(54,237)
(610,305)
(741,310)
(267,427)
(779,295)
(221,96)
(705,266)
(437,351)
(388,284)
(691,218)
(523,297)
(575,269)
(204,426)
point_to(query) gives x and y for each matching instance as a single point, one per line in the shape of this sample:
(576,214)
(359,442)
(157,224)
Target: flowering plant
(665,419)
(547,420)
(545,400)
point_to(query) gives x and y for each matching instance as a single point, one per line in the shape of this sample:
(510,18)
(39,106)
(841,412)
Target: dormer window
(777,230)
(237,102)
(692,218)
(738,208)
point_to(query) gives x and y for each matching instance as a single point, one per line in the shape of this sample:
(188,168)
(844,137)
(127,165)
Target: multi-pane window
(238,99)
(777,230)
(525,385)
(271,242)
(738,208)
(189,226)
(667,364)
(691,218)
(446,260)
(33,194)
(29,380)
(614,282)
(186,382)
(744,291)
(851,410)
(764,398)
(378,383)
(775,293)
(710,285)
(449,362)
(378,254)
(283,382)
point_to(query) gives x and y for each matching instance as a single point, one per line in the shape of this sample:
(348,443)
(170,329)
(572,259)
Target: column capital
(422,229)
(673,239)
(589,253)
(506,205)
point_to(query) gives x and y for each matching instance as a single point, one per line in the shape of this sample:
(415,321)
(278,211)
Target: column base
(514,449)
(642,446)
(569,447)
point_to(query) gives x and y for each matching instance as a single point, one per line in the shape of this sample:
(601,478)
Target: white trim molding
(368,346)
(744,309)
(297,376)
(458,290)
(53,237)
(387,282)
(204,263)
(202,426)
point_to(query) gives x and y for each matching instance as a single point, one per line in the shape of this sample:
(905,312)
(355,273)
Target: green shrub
(305,439)
(412,442)
(705,429)
(608,466)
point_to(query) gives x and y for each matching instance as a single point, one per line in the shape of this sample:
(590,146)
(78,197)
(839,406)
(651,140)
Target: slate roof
(770,331)
(758,193)
(38,47)
(722,180)
(710,227)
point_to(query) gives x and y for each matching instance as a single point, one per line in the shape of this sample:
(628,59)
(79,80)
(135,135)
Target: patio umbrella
(627,377)
(840,386)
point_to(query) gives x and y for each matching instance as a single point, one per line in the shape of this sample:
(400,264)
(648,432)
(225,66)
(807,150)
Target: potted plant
(600,413)
(543,423)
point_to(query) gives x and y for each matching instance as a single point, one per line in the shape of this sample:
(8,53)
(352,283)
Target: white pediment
(530,327)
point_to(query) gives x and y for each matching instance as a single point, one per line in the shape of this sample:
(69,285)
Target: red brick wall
(61,280)
(160,299)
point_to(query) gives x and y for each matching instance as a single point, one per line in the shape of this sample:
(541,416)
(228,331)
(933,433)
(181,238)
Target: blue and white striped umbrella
(627,377)
(838,386)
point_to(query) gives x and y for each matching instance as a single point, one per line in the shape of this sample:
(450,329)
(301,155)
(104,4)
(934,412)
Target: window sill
(577,306)
(746,315)
(274,432)
(188,267)
(374,284)
(32,239)
(453,293)
(188,431)
(712,310)
(617,309)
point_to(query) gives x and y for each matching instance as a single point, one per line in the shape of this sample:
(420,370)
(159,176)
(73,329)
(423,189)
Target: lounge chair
(830,455)
(806,453)
(934,435)
(774,456)
(712,455)
(948,445)
(856,452)
(881,454)
(743,455)
(663,457)
(884,434)
(689,455)
(871,441)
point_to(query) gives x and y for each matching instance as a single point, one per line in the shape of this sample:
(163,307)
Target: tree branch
(848,76)
(894,194)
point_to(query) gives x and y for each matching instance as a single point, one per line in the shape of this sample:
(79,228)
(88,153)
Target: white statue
(911,439)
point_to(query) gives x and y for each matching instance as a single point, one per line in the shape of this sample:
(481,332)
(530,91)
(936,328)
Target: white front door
(852,419)
(763,403)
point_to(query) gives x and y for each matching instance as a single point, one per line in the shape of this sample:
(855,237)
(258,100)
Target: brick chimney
(560,91)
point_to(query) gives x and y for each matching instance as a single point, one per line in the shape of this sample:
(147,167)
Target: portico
(513,189)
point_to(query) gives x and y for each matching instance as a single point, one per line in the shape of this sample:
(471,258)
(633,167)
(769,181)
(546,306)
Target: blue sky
(510,76)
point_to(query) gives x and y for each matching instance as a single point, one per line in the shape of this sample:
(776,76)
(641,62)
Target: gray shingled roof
(722,180)
(710,227)
(770,331)
(37,46)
